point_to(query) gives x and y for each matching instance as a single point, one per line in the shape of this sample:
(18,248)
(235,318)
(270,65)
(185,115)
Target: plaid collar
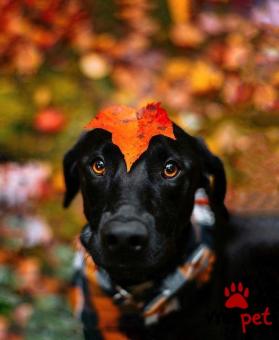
(154,301)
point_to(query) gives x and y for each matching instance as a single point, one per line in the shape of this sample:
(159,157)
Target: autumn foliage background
(213,64)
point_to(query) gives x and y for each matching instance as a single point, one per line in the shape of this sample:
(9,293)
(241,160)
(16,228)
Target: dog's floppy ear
(213,166)
(70,175)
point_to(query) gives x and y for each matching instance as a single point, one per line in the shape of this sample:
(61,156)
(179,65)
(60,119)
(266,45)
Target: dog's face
(138,220)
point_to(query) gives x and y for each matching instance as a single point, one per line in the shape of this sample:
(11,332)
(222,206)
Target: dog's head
(139,220)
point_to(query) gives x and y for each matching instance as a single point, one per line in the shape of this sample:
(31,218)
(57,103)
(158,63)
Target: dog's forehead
(98,142)
(132,130)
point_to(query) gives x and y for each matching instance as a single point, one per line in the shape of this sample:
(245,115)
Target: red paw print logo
(236,296)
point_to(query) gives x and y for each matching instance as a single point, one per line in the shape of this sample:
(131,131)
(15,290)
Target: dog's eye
(171,169)
(98,167)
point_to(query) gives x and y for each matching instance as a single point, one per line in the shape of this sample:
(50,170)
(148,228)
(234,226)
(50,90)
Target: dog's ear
(213,167)
(70,175)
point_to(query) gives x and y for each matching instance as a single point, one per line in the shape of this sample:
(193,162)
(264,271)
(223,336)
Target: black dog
(139,230)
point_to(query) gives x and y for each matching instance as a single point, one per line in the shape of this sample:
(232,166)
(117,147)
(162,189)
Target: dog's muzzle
(127,237)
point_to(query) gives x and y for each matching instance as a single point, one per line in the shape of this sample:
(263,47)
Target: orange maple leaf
(132,130)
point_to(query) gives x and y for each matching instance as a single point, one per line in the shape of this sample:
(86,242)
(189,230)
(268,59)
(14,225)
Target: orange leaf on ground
(132,130)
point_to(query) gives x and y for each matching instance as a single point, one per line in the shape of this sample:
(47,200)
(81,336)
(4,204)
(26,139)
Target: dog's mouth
(138,271)
(126,275)
(126,266)
(155,261)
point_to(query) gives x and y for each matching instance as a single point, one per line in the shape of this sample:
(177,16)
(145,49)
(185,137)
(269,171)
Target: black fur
(247,248)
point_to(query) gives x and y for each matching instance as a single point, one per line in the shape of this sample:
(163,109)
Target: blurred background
(213,64)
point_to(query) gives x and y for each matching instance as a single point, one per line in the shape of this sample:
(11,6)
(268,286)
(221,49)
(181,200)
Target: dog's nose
(129,236)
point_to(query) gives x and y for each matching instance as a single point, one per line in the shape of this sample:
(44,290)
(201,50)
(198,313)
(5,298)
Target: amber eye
(99,167)
(171,169)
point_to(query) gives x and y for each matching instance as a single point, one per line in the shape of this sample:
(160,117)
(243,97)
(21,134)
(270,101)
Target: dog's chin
(128,275)
(125,274)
